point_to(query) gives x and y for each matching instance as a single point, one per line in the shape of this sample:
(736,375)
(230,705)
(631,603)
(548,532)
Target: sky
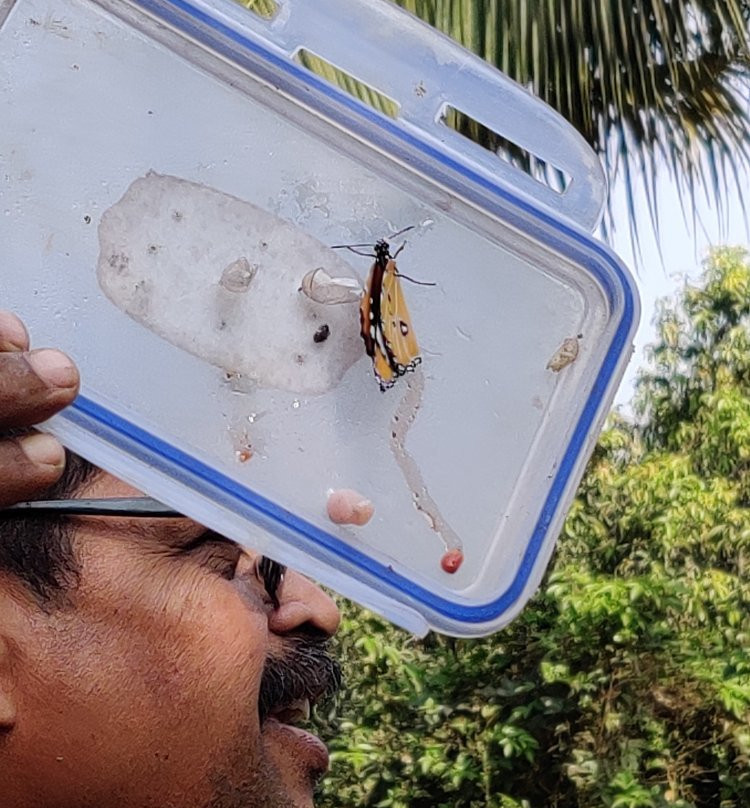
(683,251)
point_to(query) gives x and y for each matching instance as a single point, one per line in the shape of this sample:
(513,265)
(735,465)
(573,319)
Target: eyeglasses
(270,571)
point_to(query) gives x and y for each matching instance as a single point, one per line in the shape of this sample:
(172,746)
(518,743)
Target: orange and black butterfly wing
(398,334)
(371,326)
(368,307)
(385,322)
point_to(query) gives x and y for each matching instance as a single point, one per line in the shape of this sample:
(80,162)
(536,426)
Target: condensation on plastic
(397,47)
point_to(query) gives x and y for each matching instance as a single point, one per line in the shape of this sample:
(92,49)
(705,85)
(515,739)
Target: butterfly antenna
(406,277)
(401,231)
(412,280)
(369,244)
(349,246)
(398,251)
(352,248)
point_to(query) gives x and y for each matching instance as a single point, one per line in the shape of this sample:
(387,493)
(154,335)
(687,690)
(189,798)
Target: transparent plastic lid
(180,194)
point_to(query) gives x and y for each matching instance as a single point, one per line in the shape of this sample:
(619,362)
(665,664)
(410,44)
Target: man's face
(144,691)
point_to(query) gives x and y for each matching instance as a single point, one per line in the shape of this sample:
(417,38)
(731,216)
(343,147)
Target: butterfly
(385,323)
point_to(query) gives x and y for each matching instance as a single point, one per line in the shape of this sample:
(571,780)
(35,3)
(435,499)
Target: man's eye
(220,555)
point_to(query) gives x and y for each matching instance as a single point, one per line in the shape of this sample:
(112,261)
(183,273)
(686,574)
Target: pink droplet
(347,507)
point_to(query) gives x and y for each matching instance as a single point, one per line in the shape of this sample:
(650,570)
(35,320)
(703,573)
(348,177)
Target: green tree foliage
(625,683)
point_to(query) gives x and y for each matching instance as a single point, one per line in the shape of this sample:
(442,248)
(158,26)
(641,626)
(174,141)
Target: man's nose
(303,604)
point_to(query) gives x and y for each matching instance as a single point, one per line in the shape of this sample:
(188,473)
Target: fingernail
(53,367)
(13,334)
(43,450)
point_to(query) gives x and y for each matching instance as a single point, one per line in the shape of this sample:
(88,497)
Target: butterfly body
(385,322)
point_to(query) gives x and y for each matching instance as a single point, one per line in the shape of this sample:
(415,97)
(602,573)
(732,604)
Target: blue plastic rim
(578,246)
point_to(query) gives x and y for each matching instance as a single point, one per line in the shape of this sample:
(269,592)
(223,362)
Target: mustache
(305,670)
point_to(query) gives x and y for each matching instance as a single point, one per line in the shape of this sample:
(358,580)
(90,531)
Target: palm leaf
(263,8)
(655,86)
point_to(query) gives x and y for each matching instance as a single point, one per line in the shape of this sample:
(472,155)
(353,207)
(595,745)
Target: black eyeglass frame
(271,572)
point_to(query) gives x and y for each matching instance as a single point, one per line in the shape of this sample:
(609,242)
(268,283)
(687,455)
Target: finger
(13,333)
(28,465)
(35,385)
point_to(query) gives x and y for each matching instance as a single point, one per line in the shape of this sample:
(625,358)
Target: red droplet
(452,560)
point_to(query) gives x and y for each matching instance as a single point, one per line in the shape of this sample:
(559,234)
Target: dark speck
(87,219)
(322,334)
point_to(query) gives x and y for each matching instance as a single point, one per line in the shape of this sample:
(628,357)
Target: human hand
(34,385)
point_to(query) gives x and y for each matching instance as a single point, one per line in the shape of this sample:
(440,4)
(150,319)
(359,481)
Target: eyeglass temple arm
(272,571)
(120,506)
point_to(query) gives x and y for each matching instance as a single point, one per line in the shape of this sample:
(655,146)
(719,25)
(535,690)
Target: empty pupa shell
(564,355)
(319,286)
(238,275)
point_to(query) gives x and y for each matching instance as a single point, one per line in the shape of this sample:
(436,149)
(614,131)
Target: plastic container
(174,177)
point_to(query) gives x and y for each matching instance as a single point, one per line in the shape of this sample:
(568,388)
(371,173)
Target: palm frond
(655,86)
(263,8)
